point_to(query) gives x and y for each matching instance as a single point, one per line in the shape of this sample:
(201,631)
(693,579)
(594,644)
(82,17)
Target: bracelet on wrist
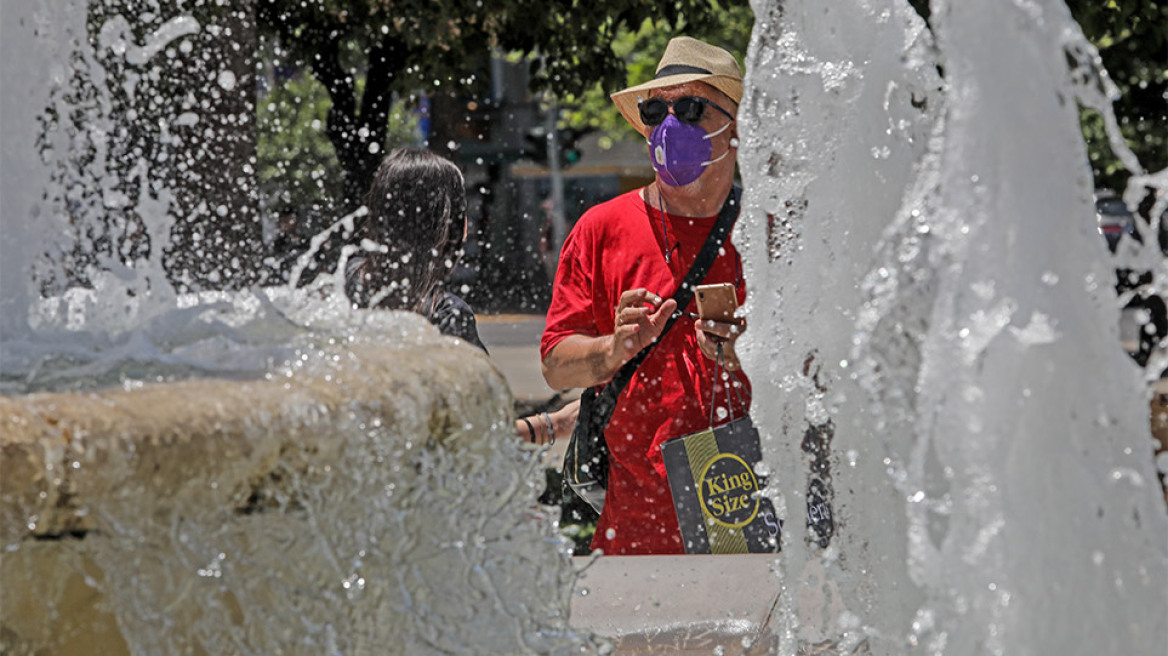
(551,429)
(530,429)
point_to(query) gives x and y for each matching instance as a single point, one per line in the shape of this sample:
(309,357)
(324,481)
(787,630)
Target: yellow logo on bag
(727,490)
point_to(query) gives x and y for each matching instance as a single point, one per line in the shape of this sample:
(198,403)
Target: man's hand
(639,319)
(585,360)
(711,333)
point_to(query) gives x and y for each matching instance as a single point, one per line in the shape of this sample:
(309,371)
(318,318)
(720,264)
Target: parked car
(1118,222)
(1115,219)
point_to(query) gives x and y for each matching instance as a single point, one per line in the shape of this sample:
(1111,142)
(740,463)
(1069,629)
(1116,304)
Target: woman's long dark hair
(412,236)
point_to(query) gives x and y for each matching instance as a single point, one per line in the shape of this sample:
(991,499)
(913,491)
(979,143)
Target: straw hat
(685,60)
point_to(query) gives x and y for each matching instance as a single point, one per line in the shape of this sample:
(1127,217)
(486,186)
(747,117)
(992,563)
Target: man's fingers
(705,342)
(654,322)
(627,340)
(625,330)
(635,307)
(630,318)
(632,297)
(631,315)
(638,297)
(720,329)
(662,313)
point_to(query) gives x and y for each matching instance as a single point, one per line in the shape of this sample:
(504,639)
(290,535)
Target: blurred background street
(513,340)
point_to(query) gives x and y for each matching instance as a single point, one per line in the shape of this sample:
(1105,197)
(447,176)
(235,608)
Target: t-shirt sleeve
(572,307)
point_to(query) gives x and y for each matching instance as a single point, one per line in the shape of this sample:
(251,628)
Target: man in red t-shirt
(618,269)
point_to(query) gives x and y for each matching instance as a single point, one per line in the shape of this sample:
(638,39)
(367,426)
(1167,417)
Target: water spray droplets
(226,80)
(353,585)
(214,569)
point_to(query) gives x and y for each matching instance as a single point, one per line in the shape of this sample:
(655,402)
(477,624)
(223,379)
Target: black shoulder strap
(606,398)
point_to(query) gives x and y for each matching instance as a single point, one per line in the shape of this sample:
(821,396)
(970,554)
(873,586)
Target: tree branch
(386,60)
(342,121)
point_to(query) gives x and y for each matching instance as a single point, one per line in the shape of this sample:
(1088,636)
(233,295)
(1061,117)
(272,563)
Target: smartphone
(717,302)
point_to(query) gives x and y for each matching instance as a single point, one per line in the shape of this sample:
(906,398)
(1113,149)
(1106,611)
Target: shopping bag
(720,504)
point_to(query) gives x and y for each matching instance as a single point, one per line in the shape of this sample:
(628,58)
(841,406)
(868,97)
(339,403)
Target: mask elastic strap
(716,159)
(711,136)
(717,132)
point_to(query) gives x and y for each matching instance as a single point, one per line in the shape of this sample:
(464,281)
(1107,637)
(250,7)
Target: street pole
(559,222)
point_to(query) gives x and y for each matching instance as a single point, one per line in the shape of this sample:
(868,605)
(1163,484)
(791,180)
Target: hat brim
(626,100)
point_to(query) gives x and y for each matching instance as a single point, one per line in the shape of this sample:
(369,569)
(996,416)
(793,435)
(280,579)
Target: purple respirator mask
(680,152)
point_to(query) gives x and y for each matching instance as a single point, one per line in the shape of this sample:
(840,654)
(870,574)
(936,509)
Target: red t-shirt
(617,246)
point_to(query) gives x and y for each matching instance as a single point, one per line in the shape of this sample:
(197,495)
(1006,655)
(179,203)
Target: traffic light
(537,145)
(569,152)
(566,138)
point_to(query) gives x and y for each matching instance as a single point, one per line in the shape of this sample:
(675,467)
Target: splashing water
(310,479)
(998,495)
(80,207)
(995,495)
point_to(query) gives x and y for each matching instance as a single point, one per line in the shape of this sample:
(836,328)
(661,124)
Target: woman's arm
(548,427)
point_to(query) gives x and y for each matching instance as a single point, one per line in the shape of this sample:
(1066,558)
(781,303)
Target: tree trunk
(359,136)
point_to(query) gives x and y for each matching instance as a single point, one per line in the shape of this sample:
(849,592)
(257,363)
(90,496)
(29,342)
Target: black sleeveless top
(451,315)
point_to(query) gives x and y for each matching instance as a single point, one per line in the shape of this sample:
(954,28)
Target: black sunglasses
(687,109)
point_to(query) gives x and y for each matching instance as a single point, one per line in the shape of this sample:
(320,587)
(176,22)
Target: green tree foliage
(640,48)
(1129,34)
(1132,38)
(582,51)
(404,47)
(298,168)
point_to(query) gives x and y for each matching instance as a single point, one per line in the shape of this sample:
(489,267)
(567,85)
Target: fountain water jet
(982,485)
(994,488)
(306,479)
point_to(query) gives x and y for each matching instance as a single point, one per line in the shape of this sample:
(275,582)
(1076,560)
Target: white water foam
(923,252)
(932,251)
(388,511)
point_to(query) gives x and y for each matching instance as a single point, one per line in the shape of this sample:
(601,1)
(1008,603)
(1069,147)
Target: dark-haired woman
(410,241)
